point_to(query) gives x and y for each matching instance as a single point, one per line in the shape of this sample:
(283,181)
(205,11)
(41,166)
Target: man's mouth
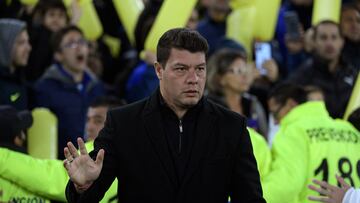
(80,58)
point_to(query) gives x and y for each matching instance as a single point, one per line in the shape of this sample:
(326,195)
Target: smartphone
(292,24)
(262,53)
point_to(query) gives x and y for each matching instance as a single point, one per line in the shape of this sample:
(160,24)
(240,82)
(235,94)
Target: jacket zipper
(180,135)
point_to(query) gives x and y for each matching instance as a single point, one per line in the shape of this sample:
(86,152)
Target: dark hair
(219,64)
(286,90)
(326,22)
(349,6)
(107,101)
(44,6)
(180,38)
(58,36)
(354,118)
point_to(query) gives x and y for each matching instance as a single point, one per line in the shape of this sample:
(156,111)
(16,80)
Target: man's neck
(233,100)
(77,75)
(333,65)
(179,112)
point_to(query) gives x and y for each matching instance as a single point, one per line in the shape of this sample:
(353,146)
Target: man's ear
(18,141)
(158,69)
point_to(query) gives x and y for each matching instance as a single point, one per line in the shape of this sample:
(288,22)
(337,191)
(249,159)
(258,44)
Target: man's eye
(180,69)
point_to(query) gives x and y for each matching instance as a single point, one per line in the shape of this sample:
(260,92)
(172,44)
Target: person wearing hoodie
(13,125)
(309,145)
(68,87)
(23,170)
(14,53)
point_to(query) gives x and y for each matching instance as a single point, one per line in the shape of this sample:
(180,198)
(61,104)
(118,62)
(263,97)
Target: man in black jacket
(327,69)
(175,146)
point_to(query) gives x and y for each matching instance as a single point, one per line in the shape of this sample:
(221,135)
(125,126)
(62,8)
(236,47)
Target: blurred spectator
(350,28)
(145,22)
(309,144)
(229,79)
(13,125)
(142,79)
(14,54)
(291,49)
(327,70)
(52,185)
(96,115)
(354,118)
(67,87)
(309,40)
(116,64)
(193,20)
(213,25)
(273,71)
(49,16)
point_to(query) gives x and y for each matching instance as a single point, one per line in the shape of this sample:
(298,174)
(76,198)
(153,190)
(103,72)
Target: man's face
(55,19)
(21,49)
(350,24)
(328,43)
(95,120)
(182,80)
(73,52)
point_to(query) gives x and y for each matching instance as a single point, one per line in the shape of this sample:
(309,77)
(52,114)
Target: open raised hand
(81,168)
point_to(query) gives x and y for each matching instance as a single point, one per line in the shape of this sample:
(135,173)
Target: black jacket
(337,86)
(13,89)
(221,164)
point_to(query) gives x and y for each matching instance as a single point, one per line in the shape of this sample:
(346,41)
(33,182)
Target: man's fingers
(72,150)
(324,184)
(100,157)
(82,147)
(67,154)
(319,190)
(319,199)
(68,157)
(342,182)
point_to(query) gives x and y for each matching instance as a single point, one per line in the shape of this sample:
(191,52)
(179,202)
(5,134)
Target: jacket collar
(156,134)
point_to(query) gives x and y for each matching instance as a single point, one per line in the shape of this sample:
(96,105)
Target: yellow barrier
(29,2)
(89,21)
(354,101)
(266,18)
(128,12)
(42,136)
(239,26)
(172,14)
(326,10)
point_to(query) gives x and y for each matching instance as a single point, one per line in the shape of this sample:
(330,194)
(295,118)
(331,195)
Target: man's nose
(192,77)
